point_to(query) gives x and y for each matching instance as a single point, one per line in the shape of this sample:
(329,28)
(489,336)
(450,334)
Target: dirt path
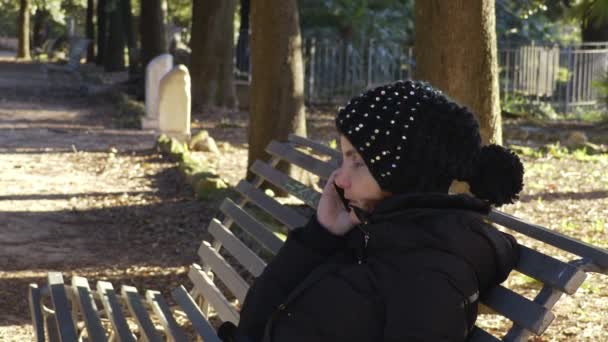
(79,196)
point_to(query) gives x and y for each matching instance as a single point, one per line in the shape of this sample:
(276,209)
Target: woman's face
(360,187)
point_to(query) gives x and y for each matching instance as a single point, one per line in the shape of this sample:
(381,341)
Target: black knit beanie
(413,138)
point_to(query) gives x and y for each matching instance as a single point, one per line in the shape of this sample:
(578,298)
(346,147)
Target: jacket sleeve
(305,248)
(425,308)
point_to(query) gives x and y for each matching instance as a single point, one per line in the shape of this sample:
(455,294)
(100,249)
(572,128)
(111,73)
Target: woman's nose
(342,180)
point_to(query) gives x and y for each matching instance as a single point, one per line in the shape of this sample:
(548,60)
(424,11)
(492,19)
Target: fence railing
(564,77)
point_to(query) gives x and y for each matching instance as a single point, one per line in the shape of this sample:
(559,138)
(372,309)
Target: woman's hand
(331,212)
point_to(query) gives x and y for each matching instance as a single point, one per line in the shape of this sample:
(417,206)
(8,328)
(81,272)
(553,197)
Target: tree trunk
(24,30)
(127,18)
(114,59)
(90,30)
(455,48)
(101,31)
(277,87)
(152,30)
(212,62)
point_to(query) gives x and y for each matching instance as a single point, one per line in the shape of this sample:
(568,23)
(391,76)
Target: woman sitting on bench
(390,255)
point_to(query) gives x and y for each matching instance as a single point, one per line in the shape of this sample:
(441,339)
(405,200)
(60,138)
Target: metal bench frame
(529,317)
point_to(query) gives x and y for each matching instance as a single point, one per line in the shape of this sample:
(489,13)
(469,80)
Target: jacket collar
(400,203)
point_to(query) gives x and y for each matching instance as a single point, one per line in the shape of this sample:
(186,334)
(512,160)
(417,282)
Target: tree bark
(114,59)
(594,33)
(24,30)
(152,30)
(455,46)
(277,87)
(101,31)
(90,30)
(212,62)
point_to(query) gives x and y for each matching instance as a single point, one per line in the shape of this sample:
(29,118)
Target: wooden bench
(231,258)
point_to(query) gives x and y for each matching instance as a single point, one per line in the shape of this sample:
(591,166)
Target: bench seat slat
(199,321)
(163,312)
(36,312)
(251,225)
(304,193)
(288,153)
(550,271)
(139,312)
(87,305)
(518,309)
(212,294)
(114,311)
(63,318)
(223,270)
(252,262)
(285,215)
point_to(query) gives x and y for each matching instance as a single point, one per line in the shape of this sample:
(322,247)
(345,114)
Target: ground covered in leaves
(81,196)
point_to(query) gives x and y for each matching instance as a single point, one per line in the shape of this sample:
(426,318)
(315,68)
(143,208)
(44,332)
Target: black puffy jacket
(413,271)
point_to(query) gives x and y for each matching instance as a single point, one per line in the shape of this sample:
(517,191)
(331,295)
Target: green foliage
(524,106)
(358,20)
(594,12)
(9,12)
(535,20)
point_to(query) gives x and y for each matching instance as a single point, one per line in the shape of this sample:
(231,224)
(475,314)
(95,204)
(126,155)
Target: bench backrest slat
(550,271)
(113,311)
(139,312)
(163,312)
(252,262)
(553,238)
(518,309)
(316,146)
(34,299)
(480,335)
(65,324)
(251,225)
(288,153)
(302,192)
(212,294)
(285,215)
(223,270)
(195,315)
(84,299)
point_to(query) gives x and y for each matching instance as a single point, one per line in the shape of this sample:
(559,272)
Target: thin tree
(101,31)
(277,87)
(455,46)
(127,19)
(152,30)
(242,46)
(90,30)
(114,54)
(212,66)
(24,30)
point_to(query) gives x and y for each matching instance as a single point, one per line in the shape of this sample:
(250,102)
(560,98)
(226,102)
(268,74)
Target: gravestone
(156,69)
(174,104)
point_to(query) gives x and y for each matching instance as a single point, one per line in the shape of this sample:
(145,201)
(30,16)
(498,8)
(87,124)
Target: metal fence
(564,77)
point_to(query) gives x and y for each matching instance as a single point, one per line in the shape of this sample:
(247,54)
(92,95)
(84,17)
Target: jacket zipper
(366,237)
